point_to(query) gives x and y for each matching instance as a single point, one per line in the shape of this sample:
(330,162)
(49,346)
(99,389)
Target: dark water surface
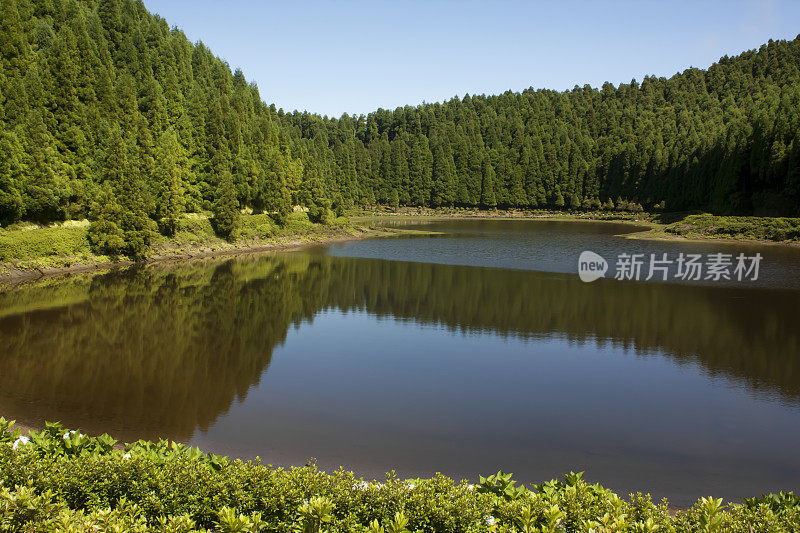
(462,353)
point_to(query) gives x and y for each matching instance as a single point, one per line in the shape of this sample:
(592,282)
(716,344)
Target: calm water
(463,353)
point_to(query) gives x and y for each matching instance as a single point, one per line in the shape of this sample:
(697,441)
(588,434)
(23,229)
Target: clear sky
(332,57)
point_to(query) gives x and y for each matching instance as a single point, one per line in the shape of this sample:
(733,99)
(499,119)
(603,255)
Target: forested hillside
(107,113)
(725,140)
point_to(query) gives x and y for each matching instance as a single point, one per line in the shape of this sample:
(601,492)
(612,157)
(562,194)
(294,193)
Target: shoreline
(654,231)
(365,225)
(655,234)
(14,275)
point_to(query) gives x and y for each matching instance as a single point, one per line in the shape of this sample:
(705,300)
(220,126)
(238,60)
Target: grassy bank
(707,226)
(28,249)
(57,480)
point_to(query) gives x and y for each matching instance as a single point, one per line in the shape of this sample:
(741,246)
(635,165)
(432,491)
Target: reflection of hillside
(167,351)
(750,334)
(164,352)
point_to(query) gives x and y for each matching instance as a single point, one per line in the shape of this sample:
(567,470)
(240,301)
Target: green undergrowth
(59,480)
(24,244)
(200,231)
(778,229)
(31,248)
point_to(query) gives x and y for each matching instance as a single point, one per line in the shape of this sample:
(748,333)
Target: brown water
(472,351)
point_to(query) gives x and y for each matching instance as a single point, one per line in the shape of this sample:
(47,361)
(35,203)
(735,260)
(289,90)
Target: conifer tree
(488,199)
(444,175)
(79,77)
(11,172)
(279,200)
(105,234)
(319,205)
(394,199)
(227,216)
(170,172)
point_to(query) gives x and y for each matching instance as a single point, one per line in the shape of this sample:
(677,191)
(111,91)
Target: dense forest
(109,114)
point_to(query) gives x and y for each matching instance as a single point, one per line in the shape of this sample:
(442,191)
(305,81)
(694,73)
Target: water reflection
(149,352)
(164,351)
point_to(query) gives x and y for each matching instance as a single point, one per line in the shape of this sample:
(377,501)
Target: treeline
(726,139)
(107,113)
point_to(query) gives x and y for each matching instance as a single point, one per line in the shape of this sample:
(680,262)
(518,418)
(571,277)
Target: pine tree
(394,199)
(444,175)
(319,205)
(488,199)
(11,204)
(105,234)
(170,171)
(227,216)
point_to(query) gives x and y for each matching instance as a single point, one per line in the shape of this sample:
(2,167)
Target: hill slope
(107,113)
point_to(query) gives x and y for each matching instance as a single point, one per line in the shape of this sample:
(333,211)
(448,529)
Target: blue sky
(334,57)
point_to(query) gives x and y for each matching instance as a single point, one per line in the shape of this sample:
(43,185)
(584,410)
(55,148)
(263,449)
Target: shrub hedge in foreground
(58,480)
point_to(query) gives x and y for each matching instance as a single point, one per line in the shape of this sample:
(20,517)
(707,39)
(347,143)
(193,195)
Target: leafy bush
(262,226)
(764,228)
(319,210)
(59,480)
(43,242)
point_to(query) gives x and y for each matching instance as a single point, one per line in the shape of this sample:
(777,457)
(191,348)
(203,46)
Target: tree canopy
(108,113)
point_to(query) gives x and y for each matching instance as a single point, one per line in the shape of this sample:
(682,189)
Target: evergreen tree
(11,172)
(88,91)
(444,175)
(105,234)
(319,205)
(227,216)
(13,45)
(488,199)
(558,200)
(171,171)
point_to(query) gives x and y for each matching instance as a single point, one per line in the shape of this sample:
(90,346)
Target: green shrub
(764,228)
(43,242)
(319,211)
(59,480)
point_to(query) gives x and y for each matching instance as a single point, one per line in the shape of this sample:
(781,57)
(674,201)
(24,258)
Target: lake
(465,352)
